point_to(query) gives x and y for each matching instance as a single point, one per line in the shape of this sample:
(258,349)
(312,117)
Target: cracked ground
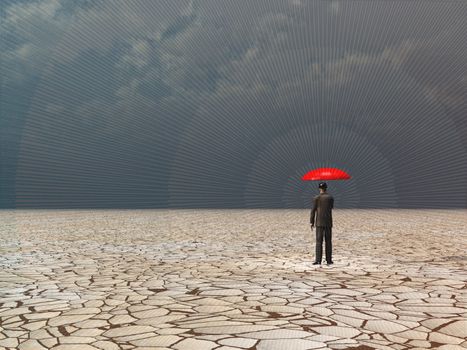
(231,279)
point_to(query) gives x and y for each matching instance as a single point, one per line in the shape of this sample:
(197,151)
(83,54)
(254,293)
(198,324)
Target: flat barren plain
(231,279)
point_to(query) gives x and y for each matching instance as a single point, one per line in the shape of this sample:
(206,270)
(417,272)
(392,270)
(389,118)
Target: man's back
(322,206)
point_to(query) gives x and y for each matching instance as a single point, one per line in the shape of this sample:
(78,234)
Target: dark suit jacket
(322,207)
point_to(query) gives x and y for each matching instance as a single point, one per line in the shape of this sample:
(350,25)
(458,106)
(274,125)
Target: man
(322,207)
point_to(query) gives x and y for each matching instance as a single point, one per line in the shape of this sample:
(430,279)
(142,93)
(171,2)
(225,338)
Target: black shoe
(316,263)
(330,262)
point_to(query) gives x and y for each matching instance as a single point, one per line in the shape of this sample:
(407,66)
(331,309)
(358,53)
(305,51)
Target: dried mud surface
(231,279)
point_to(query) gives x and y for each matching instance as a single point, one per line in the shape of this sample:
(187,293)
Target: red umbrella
(326,174)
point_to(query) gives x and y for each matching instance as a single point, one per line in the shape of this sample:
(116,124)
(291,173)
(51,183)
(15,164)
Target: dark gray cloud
(223,104)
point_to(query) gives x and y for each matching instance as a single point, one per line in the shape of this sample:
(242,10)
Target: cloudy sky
(226,104)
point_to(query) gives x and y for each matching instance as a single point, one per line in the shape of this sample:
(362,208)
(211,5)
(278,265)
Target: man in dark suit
(322,207)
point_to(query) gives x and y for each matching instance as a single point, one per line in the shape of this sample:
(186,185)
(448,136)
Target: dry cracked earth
(231,279)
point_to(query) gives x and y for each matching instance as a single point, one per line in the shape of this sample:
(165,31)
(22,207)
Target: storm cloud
(226,104)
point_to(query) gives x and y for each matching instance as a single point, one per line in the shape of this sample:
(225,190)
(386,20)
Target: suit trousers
(327,233)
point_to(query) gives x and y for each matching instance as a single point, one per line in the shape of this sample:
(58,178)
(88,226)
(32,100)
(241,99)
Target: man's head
(322,187)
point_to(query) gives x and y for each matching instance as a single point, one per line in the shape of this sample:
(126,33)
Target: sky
(227,104)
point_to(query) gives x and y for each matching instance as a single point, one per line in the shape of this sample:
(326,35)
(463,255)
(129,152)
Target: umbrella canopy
(326,174)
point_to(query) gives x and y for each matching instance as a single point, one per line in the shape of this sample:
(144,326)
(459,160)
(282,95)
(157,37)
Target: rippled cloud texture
(228,103)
